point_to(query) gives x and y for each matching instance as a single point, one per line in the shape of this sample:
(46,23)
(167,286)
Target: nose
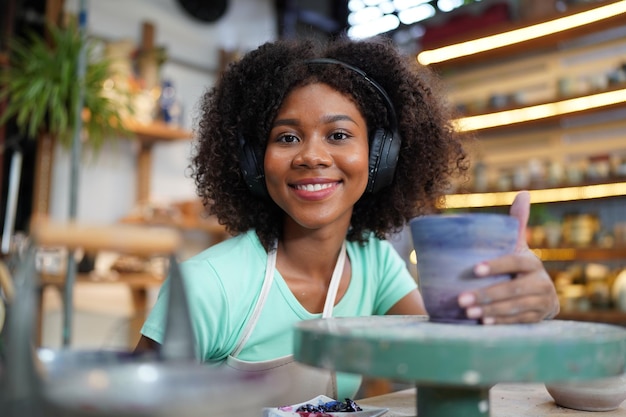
(313,153)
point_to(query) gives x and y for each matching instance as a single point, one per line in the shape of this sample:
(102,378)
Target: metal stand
(454,365)
(442,401)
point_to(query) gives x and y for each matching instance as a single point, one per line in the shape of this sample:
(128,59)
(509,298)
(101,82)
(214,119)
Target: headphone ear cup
(384,152)
(252,171)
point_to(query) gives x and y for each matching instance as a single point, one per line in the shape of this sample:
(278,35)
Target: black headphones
(384,146)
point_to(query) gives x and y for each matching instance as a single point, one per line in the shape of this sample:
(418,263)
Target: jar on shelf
(556,173)
(580,229)
(553,231)
(597,288)
(574,298)
(481,180)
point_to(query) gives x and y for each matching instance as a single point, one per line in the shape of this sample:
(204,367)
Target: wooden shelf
(542,43)
(598,316)
(148,135)
(137,282)
(558,102)
(157,131)
(208,225)
(131,279)
(591,254)
(547,195)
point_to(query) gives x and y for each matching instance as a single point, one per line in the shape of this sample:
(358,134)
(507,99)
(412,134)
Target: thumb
(520,209)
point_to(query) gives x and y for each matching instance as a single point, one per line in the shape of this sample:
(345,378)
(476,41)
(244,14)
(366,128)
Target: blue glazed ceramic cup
(448,247)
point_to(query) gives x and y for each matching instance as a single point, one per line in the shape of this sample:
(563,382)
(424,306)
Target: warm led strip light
(540,111)
(548,195)
(556,254)
(521,35)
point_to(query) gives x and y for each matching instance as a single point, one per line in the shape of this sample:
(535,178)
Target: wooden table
(507,400)
(138,282)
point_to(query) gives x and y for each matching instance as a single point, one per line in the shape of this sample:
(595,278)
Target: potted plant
(41,89)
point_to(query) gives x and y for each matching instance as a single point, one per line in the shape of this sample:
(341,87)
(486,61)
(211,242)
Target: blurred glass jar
(598,288)
(580,229)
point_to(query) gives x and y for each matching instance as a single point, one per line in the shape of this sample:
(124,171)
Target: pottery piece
(604,394)
(448,247)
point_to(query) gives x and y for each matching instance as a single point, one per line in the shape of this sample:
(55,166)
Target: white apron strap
(270,268)
(267,284)
(333,287)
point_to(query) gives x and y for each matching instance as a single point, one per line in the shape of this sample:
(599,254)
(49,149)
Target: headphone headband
(373,83)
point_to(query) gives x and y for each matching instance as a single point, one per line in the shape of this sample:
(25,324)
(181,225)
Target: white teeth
(313,187)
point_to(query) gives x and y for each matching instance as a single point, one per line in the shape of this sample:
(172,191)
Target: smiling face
(316,161)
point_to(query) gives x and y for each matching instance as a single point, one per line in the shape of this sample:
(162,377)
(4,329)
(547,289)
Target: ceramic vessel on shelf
(604,394)
(448,247)
(618,291)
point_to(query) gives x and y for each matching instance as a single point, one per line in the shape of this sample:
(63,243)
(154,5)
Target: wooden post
(144,171)
(148,65)
(148,72)
(44,158)
(43,172)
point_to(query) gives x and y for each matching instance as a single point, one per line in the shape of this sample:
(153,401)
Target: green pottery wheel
(454,365)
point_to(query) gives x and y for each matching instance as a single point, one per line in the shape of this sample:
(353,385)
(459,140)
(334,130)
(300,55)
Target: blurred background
(541,85)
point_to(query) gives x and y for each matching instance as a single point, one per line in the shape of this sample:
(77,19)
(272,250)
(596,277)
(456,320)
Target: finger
(526,317)
(520,209)
(506,313)
(523,309)
(531,293)
(510,307)
(534,282)
(517,263)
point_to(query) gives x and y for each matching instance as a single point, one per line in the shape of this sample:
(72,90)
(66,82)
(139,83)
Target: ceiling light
(387,7)
(355,5)
(416,14)
(381,25)
(407,4)
(364,16)
(449,5)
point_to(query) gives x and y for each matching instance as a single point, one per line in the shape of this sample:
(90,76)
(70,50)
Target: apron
(303,382)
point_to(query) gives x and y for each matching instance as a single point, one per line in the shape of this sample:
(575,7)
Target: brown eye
(338,136)
(287,139)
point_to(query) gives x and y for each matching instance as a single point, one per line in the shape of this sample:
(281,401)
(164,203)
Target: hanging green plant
(42,90)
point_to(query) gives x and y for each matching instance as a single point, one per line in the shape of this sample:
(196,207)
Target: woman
(311,155)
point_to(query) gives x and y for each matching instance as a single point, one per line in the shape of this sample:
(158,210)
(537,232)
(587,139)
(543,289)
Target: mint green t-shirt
(223,283)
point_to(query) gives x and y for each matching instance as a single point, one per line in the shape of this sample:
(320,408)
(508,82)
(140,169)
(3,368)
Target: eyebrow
(326,119)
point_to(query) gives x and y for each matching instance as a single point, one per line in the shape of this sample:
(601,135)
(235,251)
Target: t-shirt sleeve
(154,326)
(208,309)
(395,279)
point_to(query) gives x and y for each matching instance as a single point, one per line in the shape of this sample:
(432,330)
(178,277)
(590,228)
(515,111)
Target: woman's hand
(529,297)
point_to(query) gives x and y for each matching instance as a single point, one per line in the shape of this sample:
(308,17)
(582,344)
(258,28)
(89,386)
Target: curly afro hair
(245,100)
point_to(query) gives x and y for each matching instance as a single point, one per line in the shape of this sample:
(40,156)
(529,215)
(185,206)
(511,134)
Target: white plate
(290,411)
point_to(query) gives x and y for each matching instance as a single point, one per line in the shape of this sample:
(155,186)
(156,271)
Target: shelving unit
(544,43)
(148,135)
(586,254)
(545,112)
(562,81)
(599,316)
(544,195)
